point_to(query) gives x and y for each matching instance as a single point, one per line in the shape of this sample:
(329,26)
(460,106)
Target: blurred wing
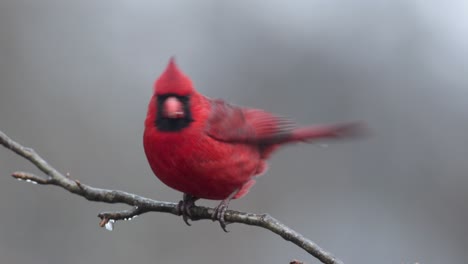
(245,125)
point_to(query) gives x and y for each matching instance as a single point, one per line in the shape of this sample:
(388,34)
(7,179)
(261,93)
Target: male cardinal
(207,148)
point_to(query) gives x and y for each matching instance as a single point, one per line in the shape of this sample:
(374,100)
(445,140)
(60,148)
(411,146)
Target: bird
(210,149)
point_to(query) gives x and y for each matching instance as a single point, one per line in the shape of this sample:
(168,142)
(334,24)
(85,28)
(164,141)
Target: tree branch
(141,205)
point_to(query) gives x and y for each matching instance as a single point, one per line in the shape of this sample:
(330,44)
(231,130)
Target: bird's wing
(231,123)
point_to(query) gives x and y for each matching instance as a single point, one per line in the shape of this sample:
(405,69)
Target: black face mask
(173,124)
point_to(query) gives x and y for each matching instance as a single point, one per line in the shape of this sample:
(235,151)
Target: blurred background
(76,77)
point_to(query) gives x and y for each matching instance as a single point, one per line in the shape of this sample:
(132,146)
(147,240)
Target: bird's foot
(220,210)
(184,206)
(219,213)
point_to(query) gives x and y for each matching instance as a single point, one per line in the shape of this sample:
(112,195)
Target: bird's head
(173,81)
(173,91)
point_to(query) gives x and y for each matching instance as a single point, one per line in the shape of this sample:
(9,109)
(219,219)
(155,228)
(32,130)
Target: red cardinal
(207,148)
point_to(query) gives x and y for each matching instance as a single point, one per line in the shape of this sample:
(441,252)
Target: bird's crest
(173,81)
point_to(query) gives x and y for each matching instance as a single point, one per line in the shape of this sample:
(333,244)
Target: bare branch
(29,177)
(295,261)
(141,205)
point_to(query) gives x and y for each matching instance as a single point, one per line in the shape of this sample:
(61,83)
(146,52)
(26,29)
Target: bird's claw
(184,206)
(184,210)
(219,213)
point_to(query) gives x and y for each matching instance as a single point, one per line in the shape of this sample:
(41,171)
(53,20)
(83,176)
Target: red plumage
(210,149)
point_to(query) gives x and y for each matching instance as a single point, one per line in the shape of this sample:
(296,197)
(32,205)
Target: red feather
(223,147)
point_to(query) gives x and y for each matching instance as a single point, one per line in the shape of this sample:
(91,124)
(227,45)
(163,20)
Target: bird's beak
(173,108)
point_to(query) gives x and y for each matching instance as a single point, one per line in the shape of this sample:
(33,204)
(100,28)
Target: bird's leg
(188,201)
(220,210)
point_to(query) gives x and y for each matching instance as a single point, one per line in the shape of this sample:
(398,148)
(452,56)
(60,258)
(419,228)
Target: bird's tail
(311,133)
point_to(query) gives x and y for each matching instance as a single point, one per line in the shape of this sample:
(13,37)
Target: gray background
(75,79)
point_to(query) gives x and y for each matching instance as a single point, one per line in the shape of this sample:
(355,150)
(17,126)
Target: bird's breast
(196,164)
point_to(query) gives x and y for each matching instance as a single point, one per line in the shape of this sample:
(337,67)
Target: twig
(141,205)
(295,261)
